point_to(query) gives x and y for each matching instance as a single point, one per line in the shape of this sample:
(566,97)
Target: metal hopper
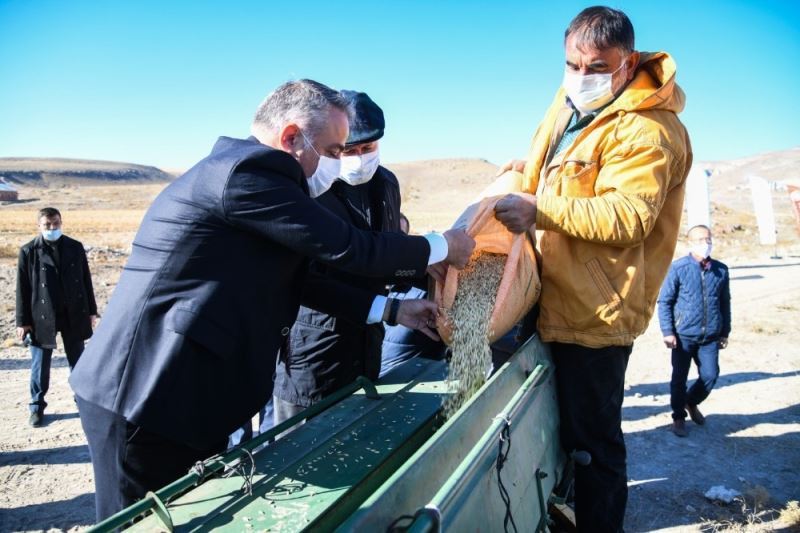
(370,458)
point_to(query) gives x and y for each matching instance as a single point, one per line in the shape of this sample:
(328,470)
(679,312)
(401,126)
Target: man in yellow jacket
(604,180)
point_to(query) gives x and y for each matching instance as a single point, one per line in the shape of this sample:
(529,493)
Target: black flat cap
(367,124)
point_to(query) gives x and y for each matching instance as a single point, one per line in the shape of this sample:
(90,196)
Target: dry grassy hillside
(99,215)
(51,172)
(434,192)
(732,204)
(774,166)
(102,202)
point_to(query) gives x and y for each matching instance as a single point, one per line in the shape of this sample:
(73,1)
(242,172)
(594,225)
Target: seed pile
(471,356)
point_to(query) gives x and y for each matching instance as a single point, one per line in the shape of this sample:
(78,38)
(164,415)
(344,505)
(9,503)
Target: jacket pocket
(612,299)
(316,319)
(201,330)
(578,178)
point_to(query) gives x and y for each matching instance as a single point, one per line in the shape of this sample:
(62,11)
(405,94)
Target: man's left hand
(516,211)
(723,343)
(93,318)
(419,315)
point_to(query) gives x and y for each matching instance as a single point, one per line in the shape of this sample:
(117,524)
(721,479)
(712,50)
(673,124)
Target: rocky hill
(780,166)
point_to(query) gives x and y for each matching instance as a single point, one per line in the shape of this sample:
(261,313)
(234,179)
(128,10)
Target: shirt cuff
(376,311)
(438,247)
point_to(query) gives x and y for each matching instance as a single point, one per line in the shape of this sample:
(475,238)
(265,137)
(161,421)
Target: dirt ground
(750,443)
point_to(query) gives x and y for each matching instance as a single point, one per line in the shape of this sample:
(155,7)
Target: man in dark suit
(54,295)
(212,287)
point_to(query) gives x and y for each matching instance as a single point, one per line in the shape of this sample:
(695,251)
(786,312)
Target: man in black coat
(327,351)
(212,287)
(54,295)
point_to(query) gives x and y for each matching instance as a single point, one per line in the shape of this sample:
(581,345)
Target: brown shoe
(679,427)
(695,414)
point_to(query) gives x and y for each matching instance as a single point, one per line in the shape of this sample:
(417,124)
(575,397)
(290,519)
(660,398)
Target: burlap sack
(520,285)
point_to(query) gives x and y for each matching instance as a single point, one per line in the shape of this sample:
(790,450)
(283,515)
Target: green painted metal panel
(454,474)
(365,461)
(319,473)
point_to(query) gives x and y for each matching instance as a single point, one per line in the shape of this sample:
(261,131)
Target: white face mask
(358,169)
(591,92)
(328,169)
(701,249)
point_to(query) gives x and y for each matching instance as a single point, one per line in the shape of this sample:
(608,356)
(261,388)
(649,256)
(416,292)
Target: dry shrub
(750,523)
(9,250)
(474,301)
(753,515)
(757,496)
(790,515)
(764,329)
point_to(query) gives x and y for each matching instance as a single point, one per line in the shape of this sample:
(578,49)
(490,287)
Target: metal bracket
(160,510)
(427,519)
(542,525)
(370,391)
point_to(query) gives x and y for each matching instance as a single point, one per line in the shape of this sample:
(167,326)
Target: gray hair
(602,27)
(304,102)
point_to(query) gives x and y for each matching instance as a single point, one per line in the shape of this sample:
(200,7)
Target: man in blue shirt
(694,311)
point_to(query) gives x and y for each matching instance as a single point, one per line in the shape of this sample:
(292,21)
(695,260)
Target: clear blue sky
(155,82)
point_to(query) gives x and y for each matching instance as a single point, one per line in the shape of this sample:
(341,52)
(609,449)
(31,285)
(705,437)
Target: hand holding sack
(519,286)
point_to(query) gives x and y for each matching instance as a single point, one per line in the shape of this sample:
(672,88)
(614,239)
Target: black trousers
(129,460)
(591,385)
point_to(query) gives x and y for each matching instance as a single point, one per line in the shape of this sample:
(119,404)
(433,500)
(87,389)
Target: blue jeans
(283,411)
(245,433)
(402,344)
(706,357)
(40,368)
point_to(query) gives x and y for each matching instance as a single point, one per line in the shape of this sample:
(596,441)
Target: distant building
(7,192)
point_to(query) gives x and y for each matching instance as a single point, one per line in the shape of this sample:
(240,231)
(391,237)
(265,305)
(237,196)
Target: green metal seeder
(374,456)
(154,500)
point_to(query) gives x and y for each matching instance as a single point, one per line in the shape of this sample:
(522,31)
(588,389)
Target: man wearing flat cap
(326,352)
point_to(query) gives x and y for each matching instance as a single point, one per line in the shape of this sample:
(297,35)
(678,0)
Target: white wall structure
(697,199)
(794,197)
(762,205)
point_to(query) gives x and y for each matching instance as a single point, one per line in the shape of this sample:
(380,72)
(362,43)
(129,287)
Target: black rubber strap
(394,307)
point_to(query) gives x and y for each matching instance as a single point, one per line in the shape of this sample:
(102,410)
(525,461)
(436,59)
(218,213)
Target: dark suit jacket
(213,286)
(40,282)
(326,352)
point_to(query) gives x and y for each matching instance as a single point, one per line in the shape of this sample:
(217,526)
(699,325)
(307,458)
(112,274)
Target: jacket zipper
(705,304)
